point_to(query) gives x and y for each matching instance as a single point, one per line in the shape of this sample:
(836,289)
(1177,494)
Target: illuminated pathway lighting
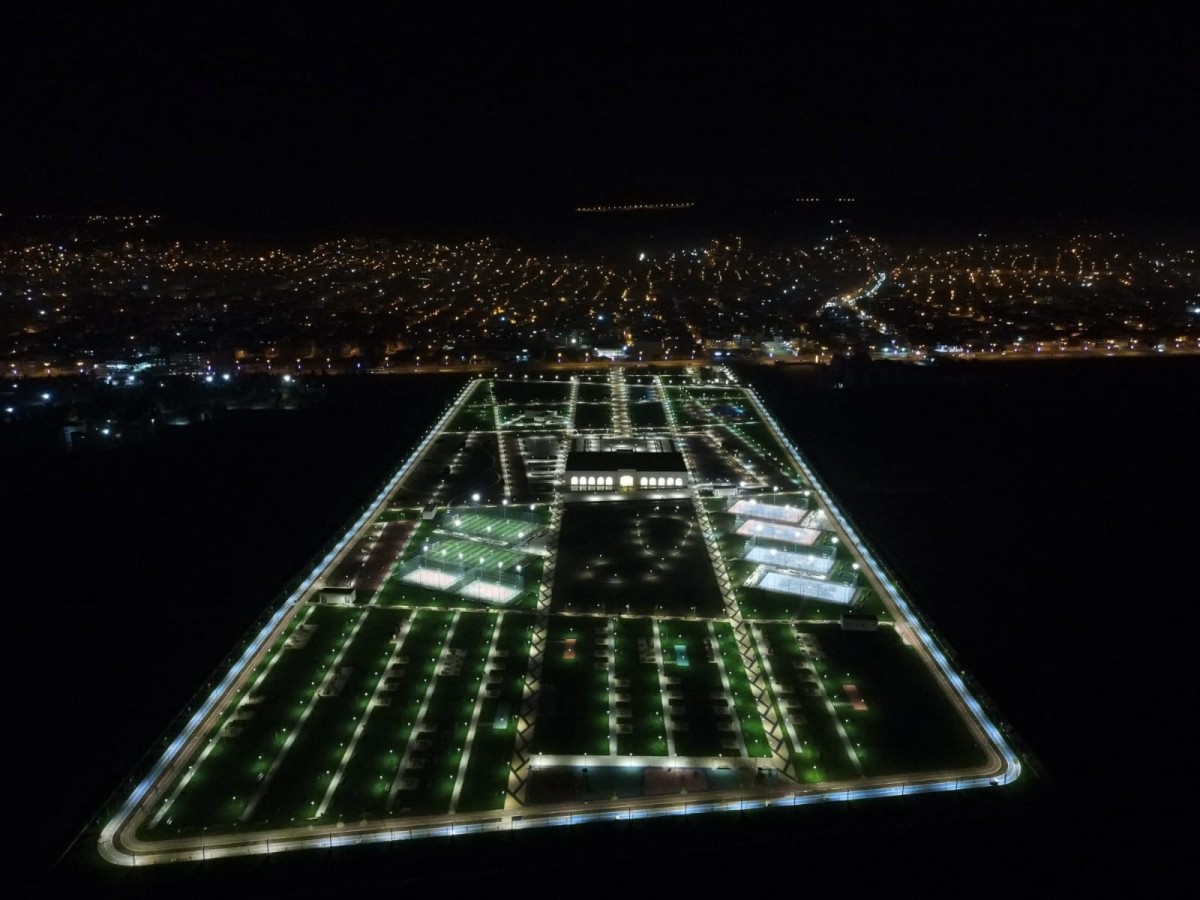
(426,676)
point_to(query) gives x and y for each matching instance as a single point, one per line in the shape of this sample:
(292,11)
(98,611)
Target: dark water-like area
(1040,515)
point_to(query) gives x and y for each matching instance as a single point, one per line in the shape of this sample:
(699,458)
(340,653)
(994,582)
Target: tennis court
(789,534)
(790,559)
(798,585)
(437,579)
(489,592)
(754,509)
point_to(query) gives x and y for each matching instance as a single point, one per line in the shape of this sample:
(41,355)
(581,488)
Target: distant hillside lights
(633,207)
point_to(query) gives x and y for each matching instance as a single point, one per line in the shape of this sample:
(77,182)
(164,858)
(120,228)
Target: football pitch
(486,649)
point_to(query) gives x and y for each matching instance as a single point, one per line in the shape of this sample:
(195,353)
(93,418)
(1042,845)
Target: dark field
(637,557)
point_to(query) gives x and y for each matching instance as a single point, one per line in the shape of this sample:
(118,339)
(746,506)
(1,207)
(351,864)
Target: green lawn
(573,707)
(593,415)
(487,768)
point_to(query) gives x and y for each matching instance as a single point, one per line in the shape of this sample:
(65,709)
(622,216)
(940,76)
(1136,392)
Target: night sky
(418,110)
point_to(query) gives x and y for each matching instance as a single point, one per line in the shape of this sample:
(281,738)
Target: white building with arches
(618,471)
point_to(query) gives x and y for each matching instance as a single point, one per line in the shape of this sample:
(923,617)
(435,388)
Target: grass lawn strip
(242,757)
(483,783)
(304,777)
(573,708)
(364,786)
(361,726)
(638,699)
(668,724)
(445,726)
(801,664)
(473,727)
(254,687)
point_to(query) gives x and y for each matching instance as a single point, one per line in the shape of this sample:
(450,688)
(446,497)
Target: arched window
(574,481)
(608,481)
(642,481)
(591,481)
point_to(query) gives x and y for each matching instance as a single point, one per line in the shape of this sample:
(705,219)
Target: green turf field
(493,525)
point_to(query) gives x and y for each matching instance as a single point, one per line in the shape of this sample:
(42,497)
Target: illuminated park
(584,596)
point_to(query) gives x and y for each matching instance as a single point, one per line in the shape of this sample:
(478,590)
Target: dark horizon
(715,215)
(561,226)
(411,115)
